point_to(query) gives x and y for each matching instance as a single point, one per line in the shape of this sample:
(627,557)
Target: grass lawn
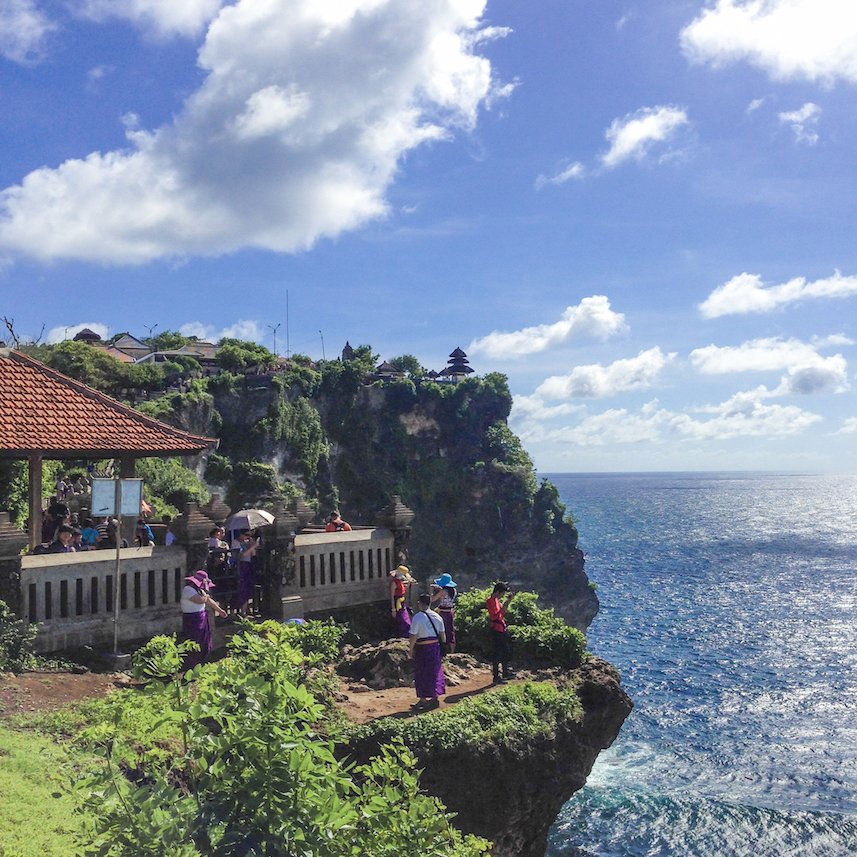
(36,817)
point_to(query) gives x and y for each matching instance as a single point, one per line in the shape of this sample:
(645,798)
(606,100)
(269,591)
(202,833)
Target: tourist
(169,535)
(216,540)
(501,642)
(444,591)
(63,540)
(143,536)
(424,646)
(195,623)
(335,524)
(247,547)
(111,536)
(57,513)
(77,540)
(89,534)
(400,582)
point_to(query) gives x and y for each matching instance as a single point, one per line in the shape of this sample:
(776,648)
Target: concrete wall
(334,570)
(70,596)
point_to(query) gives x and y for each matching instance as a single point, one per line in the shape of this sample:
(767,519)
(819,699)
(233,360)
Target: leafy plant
(539,635)
(16,642)
(255,778)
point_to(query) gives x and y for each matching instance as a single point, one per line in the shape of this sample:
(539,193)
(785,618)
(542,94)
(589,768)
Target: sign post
(114,498)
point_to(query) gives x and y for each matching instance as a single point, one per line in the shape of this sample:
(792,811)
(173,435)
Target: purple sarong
(429,679)
(196,627)
(448,617)
(403,623)
(245,582)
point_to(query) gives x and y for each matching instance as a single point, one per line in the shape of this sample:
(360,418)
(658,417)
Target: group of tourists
(64,532)
(430,631)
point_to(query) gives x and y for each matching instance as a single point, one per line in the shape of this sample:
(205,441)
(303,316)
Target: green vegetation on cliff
(333,434)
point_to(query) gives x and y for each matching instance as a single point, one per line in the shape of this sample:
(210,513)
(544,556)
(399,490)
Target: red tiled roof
(42,410)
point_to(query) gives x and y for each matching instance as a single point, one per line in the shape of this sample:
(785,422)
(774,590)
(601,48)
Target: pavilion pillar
(35,464)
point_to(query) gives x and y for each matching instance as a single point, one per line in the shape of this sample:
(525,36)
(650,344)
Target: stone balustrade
(71,596)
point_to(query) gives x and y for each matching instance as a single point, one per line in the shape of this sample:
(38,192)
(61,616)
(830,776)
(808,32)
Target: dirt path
(20,694)
(47,691)
(366,705)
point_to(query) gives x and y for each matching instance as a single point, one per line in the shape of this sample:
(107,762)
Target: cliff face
(446,450)
(512,794)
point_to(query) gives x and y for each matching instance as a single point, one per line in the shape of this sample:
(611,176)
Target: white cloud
(812,40)
(746,293)
(591,317)
(163,17)
(803,122)
(246,329)
(745,414)
(24,29)
(596,381)
(849,426)
(575,170)
(806,371)
(633,135)
(758,355)
(58,334)
(754,105)
(298,130)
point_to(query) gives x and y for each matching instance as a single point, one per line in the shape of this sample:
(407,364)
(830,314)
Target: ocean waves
(728,603)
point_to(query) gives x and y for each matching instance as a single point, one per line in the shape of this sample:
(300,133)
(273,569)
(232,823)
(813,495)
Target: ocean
(729,604)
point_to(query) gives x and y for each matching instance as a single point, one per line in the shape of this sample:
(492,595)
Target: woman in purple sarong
(424,646)
(247,546)
(400,581)
(444,591)
(195,622)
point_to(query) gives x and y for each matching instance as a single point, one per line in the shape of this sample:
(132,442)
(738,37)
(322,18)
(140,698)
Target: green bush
(253,777)
(16,642)
(512,716)
(540,637)
(169,480)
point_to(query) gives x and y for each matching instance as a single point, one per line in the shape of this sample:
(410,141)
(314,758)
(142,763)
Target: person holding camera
(501,648)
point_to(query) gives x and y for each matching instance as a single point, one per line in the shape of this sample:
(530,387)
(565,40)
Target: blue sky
(641,212)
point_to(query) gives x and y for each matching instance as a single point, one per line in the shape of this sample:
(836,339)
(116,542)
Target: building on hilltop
(90,337)
(457,366)
(132,346)
(347,352)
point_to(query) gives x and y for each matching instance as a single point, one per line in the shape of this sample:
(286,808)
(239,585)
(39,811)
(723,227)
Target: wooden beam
(35,488)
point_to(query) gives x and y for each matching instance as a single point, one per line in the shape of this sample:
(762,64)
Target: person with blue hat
(444,591)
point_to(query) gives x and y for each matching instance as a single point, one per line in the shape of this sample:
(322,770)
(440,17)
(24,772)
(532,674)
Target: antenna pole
(288,350)
(323,357)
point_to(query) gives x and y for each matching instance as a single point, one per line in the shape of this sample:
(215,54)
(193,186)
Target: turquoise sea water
(729,603)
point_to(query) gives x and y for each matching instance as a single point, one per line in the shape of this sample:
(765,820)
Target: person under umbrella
(424,648)
(444,591)
(195,622)
(247,547)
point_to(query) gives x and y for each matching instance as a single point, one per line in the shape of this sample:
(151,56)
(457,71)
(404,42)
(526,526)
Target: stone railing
(71,596)
(334,570)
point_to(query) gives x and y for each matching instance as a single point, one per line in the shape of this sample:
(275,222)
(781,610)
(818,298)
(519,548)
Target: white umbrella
(249,519)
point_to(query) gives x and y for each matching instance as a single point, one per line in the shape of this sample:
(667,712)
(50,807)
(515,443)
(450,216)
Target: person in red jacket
(501,649)
(335,524)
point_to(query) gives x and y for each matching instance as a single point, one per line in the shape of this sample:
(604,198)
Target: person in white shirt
(424,645)
(195,623)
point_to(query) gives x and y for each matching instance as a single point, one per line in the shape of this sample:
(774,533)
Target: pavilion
(45,415)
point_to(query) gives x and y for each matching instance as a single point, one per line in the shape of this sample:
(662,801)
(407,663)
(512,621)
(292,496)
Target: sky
(641,212)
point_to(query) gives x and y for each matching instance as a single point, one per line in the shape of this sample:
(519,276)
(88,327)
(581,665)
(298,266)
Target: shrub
(253,777)
(514,715)
(540,636)
(16,642)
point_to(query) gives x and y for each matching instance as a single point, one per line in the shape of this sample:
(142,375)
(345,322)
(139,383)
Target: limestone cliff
(445,449)
(511,793)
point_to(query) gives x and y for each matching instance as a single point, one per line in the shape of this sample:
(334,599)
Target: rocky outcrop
(512,793)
